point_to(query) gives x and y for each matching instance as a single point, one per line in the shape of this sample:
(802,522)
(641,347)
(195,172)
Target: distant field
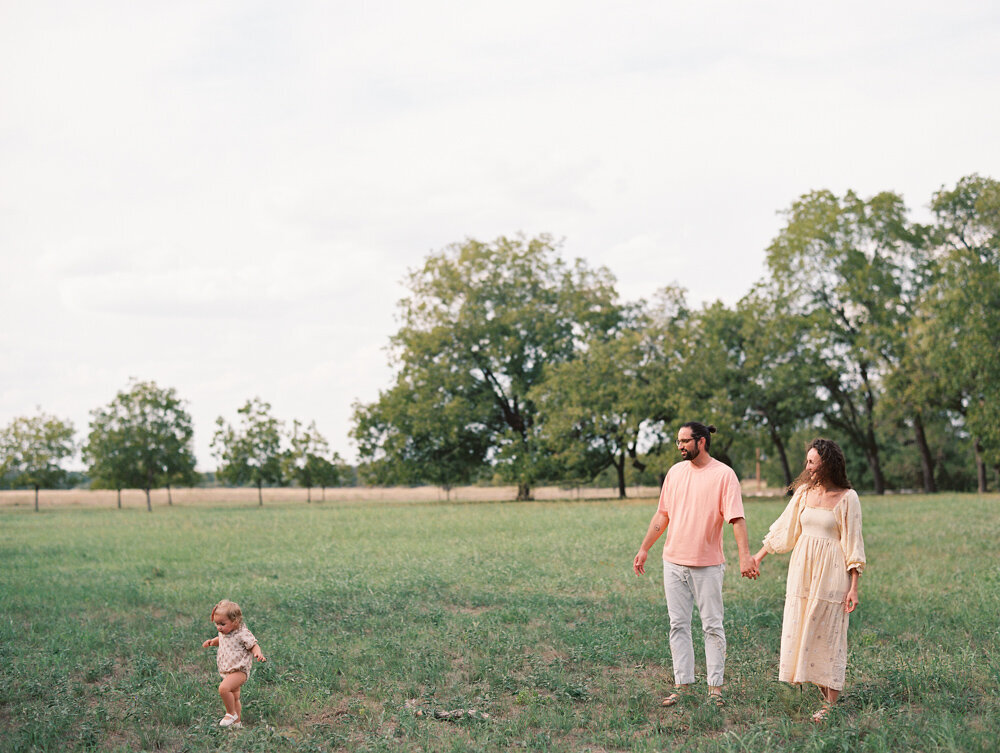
(527,612)
(242,496)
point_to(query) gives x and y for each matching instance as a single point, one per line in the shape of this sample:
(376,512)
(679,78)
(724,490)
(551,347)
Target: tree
(308,461)
(964,308)
(141,439)
(776,369)
(593,408)
(329,472)
(250,453)
(32,450)
(846,266)
(106,453)
(417,432)
(479,326)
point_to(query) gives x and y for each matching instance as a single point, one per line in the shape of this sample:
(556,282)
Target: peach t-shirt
(697,501)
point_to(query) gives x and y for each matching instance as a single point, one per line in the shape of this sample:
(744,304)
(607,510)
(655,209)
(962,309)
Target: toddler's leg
(229,690)
(239,706)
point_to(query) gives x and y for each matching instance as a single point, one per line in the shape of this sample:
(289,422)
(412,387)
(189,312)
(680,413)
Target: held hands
(755,561)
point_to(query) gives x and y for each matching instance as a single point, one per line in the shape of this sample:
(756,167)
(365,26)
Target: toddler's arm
(257,653)
(211,642)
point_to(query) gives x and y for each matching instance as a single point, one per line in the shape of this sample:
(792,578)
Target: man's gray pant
(685,586)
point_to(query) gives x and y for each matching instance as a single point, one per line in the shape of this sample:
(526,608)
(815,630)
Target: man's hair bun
(711,429)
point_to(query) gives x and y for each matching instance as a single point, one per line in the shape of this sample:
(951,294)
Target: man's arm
(656,527)
(748,567)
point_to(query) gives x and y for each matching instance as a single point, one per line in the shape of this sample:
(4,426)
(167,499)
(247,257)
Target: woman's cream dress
(825,545)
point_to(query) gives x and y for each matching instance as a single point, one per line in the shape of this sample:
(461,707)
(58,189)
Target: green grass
(528,612)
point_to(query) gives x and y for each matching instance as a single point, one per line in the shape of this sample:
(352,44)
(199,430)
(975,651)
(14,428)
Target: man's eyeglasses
(685,441)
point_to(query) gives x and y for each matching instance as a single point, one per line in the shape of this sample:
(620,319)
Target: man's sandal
(717,699)
(674,698)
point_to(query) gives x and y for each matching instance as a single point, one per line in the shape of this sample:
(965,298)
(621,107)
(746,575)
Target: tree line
(883,333)
(142,439)
(516,366)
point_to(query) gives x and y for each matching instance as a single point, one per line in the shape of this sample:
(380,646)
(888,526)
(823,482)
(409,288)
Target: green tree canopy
(308,461)
(846,266)
(962,311)
(776,369)
(141,440)
(32,449)
(594,407)
(481,323)
(250,453)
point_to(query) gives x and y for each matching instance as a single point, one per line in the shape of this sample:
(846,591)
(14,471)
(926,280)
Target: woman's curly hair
(832,472)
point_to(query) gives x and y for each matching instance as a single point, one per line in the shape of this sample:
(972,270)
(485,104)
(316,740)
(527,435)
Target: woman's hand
(851,600)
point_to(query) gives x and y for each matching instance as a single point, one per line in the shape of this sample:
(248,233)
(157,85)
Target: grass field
(527,612)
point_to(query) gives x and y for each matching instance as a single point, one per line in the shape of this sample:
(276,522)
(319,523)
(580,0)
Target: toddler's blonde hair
(230,609)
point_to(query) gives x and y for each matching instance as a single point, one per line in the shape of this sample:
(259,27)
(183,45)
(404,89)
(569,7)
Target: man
(698,495)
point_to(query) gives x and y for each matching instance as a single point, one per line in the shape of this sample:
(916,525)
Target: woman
(822,528)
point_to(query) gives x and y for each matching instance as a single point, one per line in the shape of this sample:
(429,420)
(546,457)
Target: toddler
(237,650)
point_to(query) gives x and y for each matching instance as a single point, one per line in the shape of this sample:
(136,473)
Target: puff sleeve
(851,541)
(245,637)
(784,532)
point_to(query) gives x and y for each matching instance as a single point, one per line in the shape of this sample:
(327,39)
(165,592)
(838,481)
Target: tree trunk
(980,466)
(523,491)
(876,467)
(871,452)
(323,497)
(926,459)
(859,424)
(36,498)
(149,503)
(620,467)
(636,463)
(309,495)
(779,445)
(260,494)
(119,498)
(170,500)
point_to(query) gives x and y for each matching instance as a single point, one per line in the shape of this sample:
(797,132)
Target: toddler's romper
(234,651)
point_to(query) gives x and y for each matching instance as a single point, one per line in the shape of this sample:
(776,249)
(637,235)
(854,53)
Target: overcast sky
(224,197)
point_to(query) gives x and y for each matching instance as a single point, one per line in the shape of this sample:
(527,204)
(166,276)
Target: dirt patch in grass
(474,611)
(119,740)
(329,714)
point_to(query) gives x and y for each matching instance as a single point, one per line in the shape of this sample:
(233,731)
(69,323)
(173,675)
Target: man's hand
(639,563)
